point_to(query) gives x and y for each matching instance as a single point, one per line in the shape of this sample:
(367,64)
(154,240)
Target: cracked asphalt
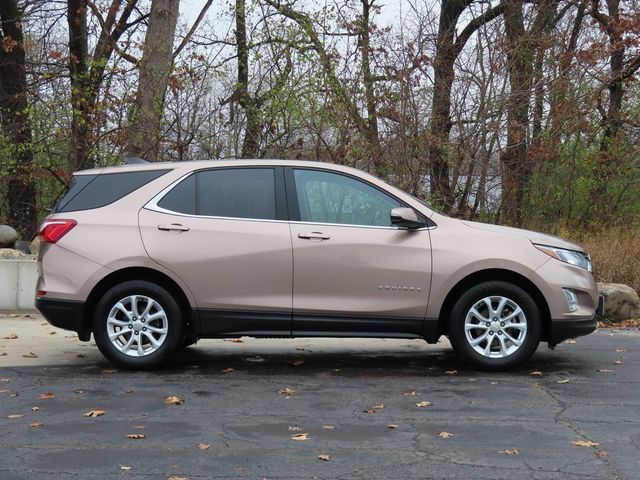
(505,425)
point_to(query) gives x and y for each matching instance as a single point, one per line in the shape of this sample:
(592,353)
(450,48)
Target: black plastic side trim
(221,323)
(66,314)
(564,329)
(339,325)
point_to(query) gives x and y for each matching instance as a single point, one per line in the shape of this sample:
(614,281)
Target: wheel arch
(495,274)
(139,273)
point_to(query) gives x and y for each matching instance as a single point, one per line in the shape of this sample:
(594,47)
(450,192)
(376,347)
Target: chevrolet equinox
(150,257)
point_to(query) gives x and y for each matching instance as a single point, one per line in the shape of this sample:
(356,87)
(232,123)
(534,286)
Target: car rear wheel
(495,326)
(137,325)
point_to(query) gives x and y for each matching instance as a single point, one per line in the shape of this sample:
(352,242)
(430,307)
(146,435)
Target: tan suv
(149,257)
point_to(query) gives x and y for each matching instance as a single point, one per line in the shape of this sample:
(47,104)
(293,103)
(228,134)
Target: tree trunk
(81,123)
(155,68)
(16,125)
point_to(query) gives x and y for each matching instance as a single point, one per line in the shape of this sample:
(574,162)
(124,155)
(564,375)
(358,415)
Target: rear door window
(237,192)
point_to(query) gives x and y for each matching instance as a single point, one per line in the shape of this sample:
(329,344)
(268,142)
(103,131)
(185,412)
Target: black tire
(458,335)
(174,325)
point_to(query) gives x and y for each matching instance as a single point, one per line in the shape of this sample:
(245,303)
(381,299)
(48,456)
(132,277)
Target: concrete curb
(18,278)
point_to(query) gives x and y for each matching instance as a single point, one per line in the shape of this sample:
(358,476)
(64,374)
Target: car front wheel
(495,326)
(137,325)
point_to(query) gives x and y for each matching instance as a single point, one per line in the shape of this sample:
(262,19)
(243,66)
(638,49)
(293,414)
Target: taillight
(54,230)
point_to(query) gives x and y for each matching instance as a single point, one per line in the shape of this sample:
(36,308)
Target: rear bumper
(66,314)
(564,329)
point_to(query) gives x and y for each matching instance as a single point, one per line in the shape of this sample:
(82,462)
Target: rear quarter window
(94,191)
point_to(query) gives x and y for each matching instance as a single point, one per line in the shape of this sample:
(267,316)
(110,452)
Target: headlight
(572,257)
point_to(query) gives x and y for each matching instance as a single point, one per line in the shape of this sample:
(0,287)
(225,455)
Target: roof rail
(134,160)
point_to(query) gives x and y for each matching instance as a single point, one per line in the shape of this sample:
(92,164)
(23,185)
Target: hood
(535,237)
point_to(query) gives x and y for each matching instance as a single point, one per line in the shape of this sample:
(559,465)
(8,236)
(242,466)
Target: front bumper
(66,314)
(564,329)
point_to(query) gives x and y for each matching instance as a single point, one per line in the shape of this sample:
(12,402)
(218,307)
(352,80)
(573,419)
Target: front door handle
(174,227)
(314,236)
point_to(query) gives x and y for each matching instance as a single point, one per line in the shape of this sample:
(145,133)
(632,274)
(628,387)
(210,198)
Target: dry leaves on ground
(392,426)
(604,370)
(11,336)
(35,409)
(300,436)
(445,435)
(451,372)
(296,429)
(585,443)
(328,427)
(287,392)
(536,373)
(136,436)
(228,370)
(424,403)
(297,363)
(509,451)
(412,393)
(618,362)
(204,446)
(30,355)
(109,370)
(13,416)
(173,400)
(621,350)
(98,412)
(125,467)
(35,424)
(47,396)
(177,478)
(324,457)
(564,380)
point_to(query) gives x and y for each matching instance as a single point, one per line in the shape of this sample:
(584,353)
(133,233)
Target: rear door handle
(174,227)
(314,236)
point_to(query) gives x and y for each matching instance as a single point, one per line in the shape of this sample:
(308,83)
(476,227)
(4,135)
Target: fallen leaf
(47,396)
(237,340)
(618,362)
(296,429)
(53,333)
(585,443)
(124,467)
(494,383)
(178,478)
(139,427)
(288,392)
(510,451)
(328,427)
(536,373)
(11,336)
(204,446)
(79,392)
(3,354)
(30,355)
(300,436)
(604,370)
(5,379)
(375,408)
(36,424)
(412,393)
(228,370)
(81,355)
(621,350)
(424,403)
(451,372)
(136,436)
(564,380)
(35,409)
(297,363)
(445,434)
(392,426)
(13,416)
(109,370)
(98,412)
(324,457)
(131,390)
(571,341)
(173,400)
(602,453)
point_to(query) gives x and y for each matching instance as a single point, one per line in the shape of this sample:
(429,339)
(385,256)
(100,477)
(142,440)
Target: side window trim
(294,208)
(282,209)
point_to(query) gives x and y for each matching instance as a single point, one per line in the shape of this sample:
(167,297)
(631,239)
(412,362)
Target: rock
(8,236)
(35,246)
(22,246)
(10,254)
(621,301)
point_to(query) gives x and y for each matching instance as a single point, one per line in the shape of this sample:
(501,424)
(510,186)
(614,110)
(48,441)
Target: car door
(225,232)
(354,273)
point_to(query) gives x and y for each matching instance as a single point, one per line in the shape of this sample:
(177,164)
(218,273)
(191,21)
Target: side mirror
(406,218)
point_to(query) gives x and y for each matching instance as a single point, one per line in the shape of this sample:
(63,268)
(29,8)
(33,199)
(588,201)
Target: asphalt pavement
(303,409)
